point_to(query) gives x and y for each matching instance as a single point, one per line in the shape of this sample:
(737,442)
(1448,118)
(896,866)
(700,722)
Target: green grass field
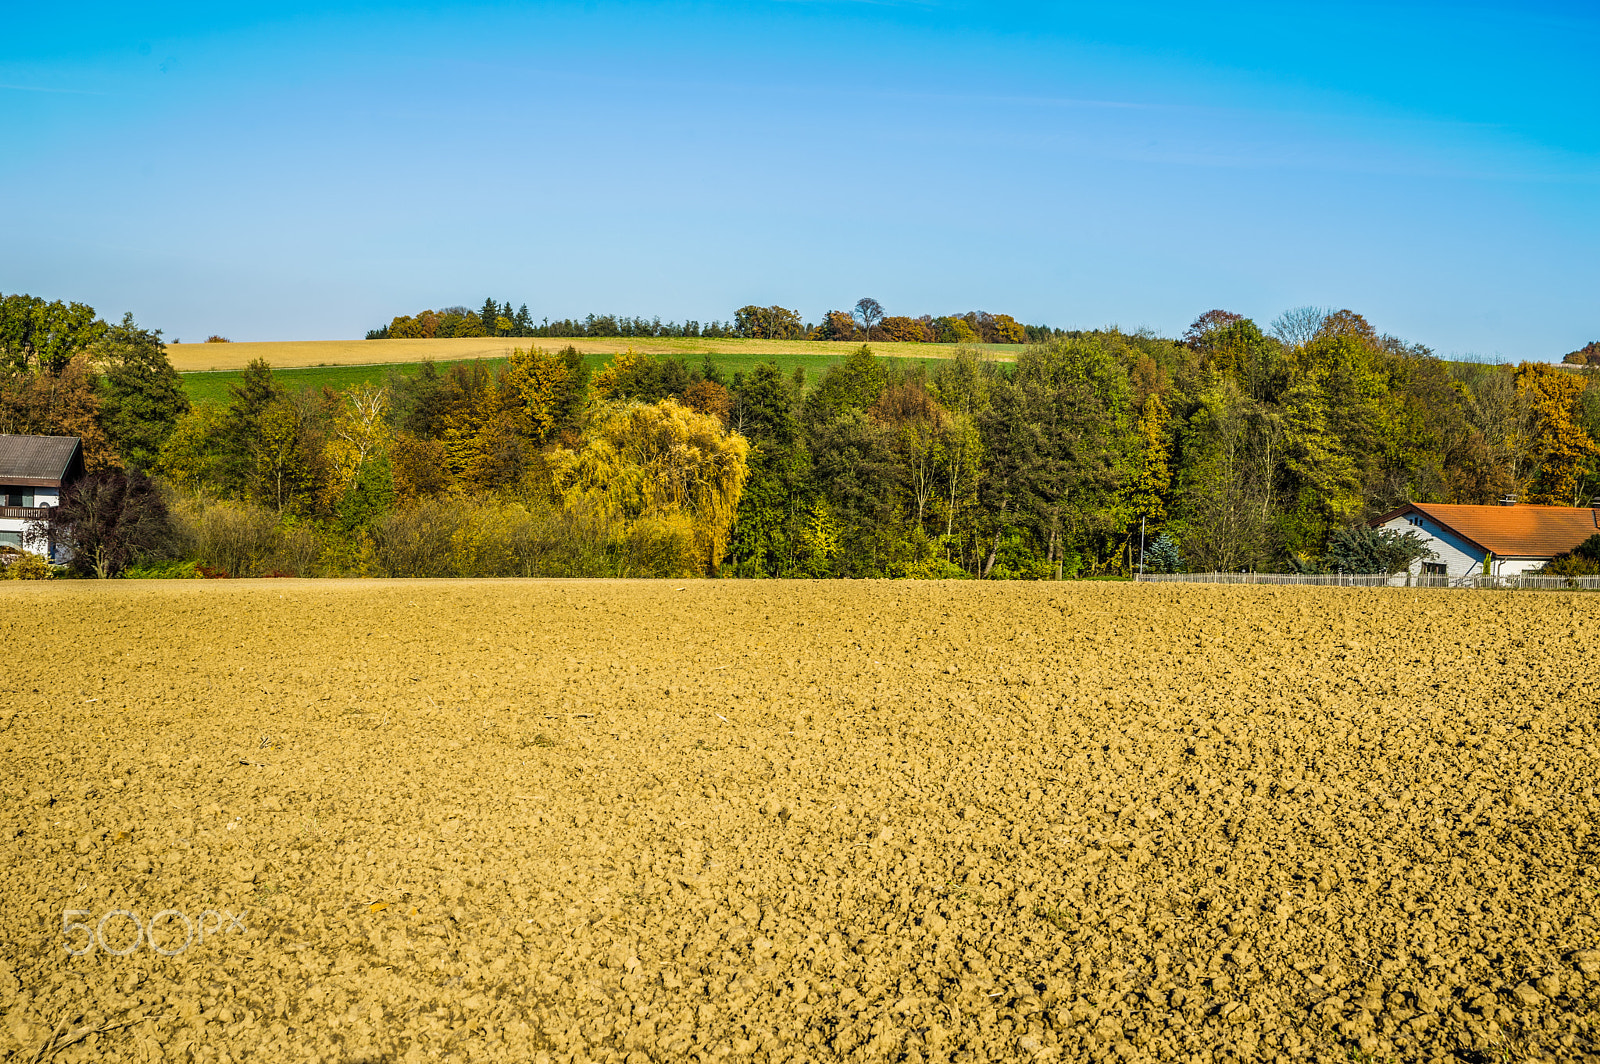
(213,386)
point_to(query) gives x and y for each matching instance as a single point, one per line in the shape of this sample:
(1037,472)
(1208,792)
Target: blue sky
(295,171)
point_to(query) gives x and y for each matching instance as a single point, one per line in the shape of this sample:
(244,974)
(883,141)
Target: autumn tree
(64,403)
(537,383)
(108,521)
(359,434)
(1587,355)
(905,330)
(1153,477)
(708,397)
(1007,330)
(1201,331)
(656,462)
(1562,456)
(836,325)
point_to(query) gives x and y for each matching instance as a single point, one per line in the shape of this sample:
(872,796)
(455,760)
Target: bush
(460,535)
(109,521)
(1582,560)
(18,564)
(168,570)
(1362,549)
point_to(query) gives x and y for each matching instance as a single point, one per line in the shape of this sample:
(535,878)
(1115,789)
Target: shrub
(239,539)
(18,564)
(109,521)
(1362,549)
(162,570)
(1582,560)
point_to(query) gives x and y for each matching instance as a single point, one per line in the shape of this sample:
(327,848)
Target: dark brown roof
(1512,531)
(39,461)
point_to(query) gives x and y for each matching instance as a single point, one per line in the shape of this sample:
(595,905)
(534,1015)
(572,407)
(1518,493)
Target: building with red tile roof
(1504,540)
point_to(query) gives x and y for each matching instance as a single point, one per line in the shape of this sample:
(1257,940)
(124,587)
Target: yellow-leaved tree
(660,462)
(535,380)
(360,433)
(1563,457)
(619,369)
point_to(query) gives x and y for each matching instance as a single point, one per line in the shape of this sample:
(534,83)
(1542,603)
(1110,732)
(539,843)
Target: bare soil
(552,821)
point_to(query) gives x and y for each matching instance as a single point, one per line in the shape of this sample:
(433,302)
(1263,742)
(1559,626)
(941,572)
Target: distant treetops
(1587,355)
(867,321)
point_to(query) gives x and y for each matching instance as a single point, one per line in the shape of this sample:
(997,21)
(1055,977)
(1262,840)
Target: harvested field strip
(189,358)
(801,821)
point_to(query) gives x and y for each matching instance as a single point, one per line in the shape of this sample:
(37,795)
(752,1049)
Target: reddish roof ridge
(1518,531)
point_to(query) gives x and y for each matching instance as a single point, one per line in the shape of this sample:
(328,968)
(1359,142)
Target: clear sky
(300,171)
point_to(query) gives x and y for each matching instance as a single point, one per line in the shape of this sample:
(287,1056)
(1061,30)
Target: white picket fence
(1530,582)
(1314,580)
(1476,582)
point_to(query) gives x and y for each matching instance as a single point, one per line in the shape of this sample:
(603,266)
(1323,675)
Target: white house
(33,472)
(1505,540)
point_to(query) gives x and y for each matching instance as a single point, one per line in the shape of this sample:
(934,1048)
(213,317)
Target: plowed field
(811,821)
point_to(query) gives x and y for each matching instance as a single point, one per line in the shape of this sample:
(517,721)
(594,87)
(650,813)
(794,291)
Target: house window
(10,539)
(1433,569)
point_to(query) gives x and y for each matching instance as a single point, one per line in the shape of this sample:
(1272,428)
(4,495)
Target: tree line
(867,322)
(1229,447)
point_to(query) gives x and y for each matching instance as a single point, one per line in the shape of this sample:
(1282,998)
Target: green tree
(1361,549)
(852,384)
(1226,479)
(766,539)
(767,323)
(40,336)
(1061,447)
(241,432)
(142,396)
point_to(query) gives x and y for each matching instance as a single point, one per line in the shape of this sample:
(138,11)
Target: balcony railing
(27,513)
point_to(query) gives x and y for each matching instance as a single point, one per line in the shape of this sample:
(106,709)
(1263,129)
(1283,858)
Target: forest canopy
(866,322)
(1235,446)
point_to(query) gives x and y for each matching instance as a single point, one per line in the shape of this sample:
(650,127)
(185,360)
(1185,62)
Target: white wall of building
(1515,566)
(15,530)
(1459,557)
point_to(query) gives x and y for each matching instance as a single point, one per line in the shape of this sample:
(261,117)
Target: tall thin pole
(1142,518)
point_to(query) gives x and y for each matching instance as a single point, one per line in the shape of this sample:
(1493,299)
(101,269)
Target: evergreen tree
(242,429)
(143,395)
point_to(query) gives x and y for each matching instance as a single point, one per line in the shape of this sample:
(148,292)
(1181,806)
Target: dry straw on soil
(840,821)
(290,354)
